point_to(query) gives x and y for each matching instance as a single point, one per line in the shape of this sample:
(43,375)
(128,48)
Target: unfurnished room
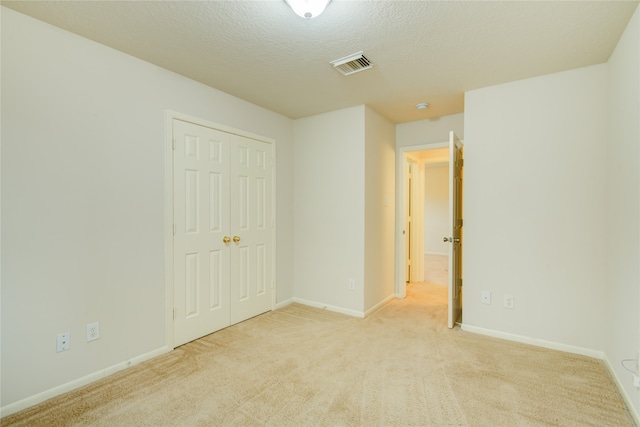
(320,213)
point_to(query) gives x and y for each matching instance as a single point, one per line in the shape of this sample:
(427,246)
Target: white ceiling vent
(352,63)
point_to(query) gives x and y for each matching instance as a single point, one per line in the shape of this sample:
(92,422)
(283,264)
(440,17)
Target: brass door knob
(226,239)
(236,239)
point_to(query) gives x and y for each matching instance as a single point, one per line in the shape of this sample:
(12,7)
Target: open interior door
(455,227)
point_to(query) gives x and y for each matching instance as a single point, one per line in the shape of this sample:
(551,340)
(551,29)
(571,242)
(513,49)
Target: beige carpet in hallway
(301,366)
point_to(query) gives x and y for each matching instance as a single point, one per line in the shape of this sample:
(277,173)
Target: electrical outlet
(486,297)
(63,342)
(352,284)
(93,331)
(508,301)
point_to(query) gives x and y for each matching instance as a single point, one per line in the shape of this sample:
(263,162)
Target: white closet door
(251,213)
(201,218)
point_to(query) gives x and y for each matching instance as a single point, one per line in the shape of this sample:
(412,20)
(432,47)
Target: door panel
(222,191)
(455,227)
(201,217)
(251,256)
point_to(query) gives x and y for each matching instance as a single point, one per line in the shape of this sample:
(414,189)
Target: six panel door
(222,232)
(251,256)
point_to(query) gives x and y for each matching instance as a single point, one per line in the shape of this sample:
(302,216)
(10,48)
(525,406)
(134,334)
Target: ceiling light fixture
(308,8)
(422,106)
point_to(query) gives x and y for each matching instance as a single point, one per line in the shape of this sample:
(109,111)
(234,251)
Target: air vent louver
(352,63)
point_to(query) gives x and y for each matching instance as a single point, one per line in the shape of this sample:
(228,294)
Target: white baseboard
(12,408)
(283,304)
(380,304)
(341,310)
(534,341)
(566,348)
(623,391)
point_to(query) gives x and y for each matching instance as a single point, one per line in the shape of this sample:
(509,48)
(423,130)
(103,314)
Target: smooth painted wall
(379,209)
(622,281)
(436,208)
(329,206)
(534,207)
(429,131)
(83,200)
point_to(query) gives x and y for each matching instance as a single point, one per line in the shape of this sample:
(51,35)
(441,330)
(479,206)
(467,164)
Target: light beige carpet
(301,366)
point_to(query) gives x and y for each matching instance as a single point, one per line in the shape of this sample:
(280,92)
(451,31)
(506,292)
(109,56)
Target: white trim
(437,253)
(12,408)
(623,392)
(336,309)
(534,341)
(217,126)
(284,303)
(168,227)
(379,305)
(333,308)
(400,279)
(566,348)
(169,117)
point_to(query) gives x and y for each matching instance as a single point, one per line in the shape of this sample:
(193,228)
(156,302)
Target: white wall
(83,200)
(436,208)
(329,206)
(622,201)
(429,131)
(379,208)
(535,207)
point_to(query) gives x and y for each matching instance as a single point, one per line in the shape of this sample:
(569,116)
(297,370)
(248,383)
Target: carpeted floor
(301,366)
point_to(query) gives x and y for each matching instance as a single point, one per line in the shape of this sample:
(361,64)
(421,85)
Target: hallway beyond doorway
(436,269)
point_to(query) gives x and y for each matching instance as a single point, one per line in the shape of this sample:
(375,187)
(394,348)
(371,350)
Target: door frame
(401,153)
(414,191)
(168,208)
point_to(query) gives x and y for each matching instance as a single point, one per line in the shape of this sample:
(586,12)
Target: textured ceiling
(423,51)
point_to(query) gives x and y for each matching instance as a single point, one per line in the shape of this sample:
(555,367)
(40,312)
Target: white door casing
(455,227)
(414,201)
(408,231)
(402,153)
(223,231)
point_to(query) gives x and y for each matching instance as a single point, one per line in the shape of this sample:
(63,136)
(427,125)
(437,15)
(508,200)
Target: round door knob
(236,239)
(226,239)
(456,240)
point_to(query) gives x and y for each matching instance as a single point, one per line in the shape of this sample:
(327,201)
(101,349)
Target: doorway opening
(429,220)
